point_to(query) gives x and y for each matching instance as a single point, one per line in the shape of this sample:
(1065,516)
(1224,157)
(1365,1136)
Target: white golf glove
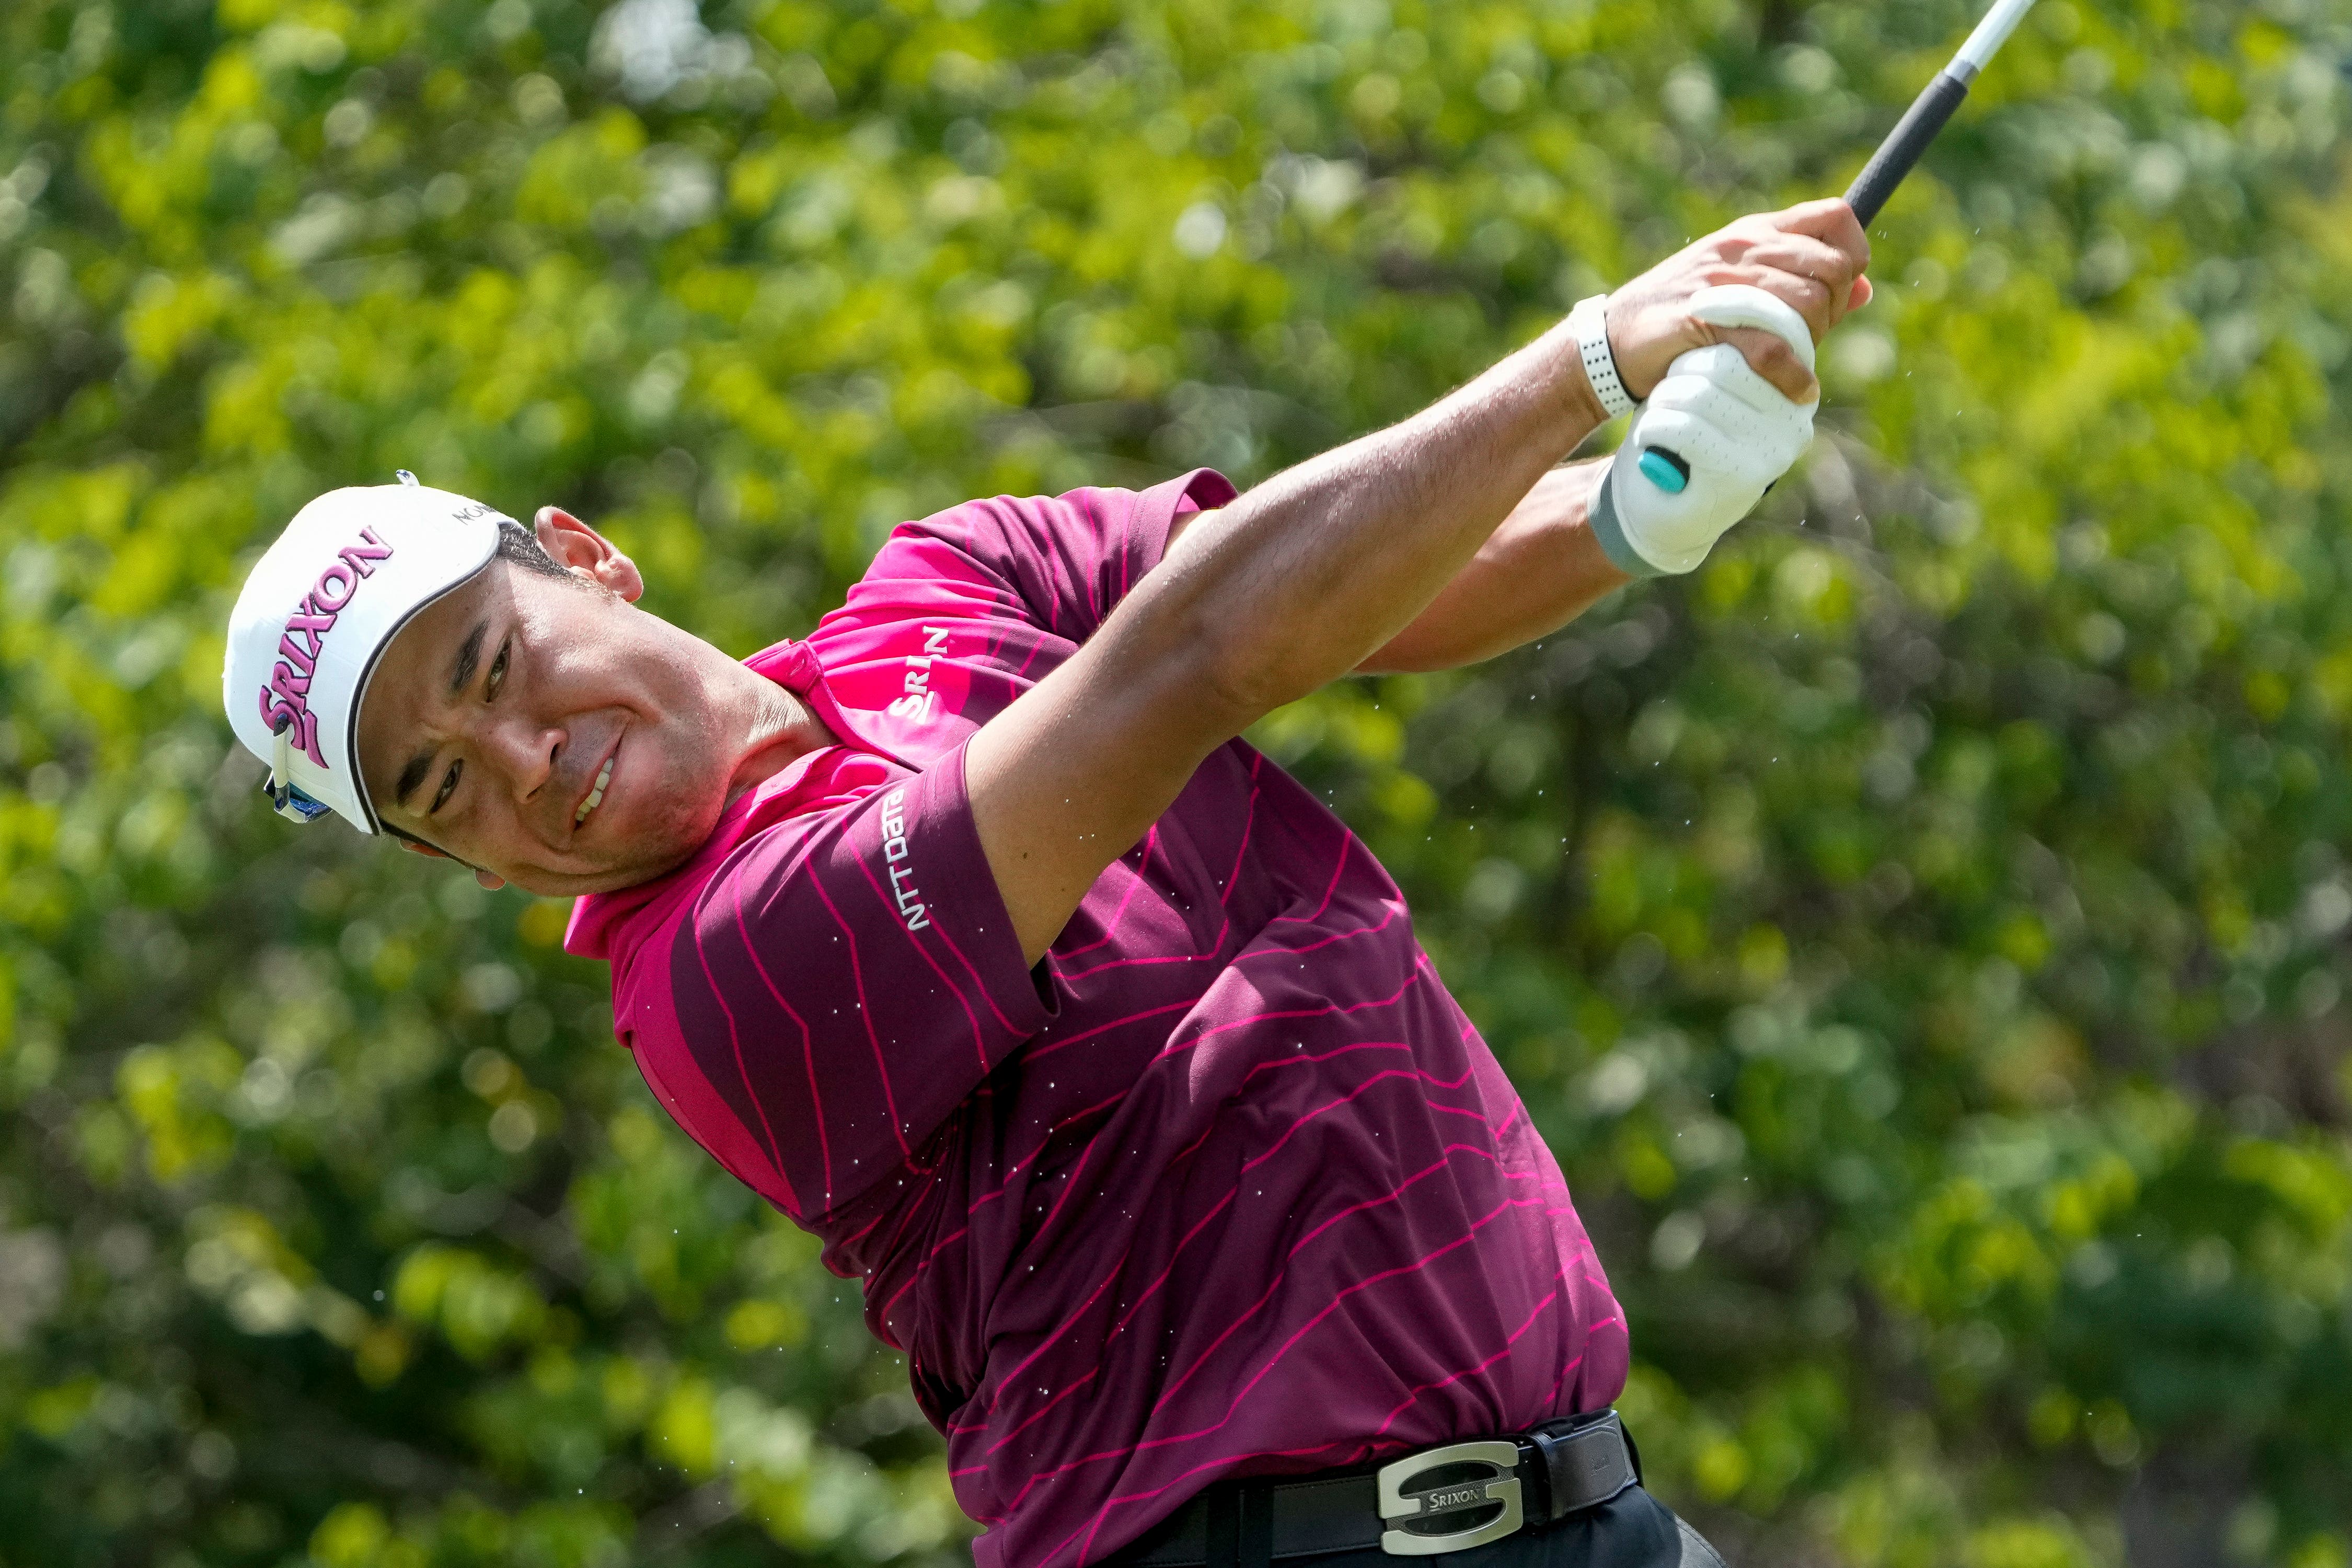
(1707,443)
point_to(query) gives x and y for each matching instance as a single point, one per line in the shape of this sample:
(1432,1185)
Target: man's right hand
(1812,255)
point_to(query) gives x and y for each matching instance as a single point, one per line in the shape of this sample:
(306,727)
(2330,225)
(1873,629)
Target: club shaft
(1904,144)
(1901,150)
(1991,34)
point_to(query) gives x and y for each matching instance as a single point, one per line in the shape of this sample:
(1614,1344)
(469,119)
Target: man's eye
(448,784)
(498,672)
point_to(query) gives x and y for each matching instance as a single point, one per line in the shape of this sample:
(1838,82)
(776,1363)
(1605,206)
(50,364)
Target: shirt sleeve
(1068,560)
(843,983)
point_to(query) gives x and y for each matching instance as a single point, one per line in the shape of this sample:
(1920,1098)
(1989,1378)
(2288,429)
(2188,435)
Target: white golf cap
(318,610)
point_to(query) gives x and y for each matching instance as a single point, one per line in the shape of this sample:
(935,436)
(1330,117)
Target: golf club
(1928,111)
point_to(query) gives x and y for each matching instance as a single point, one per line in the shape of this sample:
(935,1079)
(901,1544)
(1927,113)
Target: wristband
(1590,322)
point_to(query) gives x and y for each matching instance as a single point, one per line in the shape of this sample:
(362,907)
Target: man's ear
(576,547)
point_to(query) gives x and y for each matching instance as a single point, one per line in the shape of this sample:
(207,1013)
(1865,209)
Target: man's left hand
(1730,435)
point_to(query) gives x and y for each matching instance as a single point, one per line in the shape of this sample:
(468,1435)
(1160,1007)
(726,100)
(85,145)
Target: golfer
(966,931)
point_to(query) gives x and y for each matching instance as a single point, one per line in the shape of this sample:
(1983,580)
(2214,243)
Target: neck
(781,730)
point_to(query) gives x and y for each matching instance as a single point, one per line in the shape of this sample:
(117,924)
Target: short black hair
(521,546)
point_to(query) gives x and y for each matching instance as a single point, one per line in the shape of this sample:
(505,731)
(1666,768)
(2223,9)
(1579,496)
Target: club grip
(1904,144)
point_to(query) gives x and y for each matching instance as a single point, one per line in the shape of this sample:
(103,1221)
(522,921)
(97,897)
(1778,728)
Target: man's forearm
(1539,570)
(1302,579)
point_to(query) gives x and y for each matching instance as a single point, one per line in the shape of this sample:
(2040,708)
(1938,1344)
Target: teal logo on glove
(1666,470)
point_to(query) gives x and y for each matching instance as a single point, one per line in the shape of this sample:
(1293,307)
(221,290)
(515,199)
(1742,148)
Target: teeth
(595,796)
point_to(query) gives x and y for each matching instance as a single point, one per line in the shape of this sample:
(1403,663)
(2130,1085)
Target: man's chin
(578,884)
(634,851)
(637,864)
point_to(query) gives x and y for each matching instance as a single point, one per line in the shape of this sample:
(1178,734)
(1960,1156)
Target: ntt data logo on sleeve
(901,869)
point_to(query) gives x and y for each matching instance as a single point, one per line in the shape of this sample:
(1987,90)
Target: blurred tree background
(1923,934)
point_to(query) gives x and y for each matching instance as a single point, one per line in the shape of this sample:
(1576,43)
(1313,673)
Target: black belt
(1438,1501)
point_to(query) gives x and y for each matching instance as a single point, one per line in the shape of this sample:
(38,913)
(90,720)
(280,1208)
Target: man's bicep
(1069,777)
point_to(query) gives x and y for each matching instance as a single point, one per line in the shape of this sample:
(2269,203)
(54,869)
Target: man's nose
(526,751)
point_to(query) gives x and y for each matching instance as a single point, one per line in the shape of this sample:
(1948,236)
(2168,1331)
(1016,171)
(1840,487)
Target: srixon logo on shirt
(919,699)
(285,700)
(894,855)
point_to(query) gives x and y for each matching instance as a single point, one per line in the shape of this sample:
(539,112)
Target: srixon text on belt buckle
(1476,1483)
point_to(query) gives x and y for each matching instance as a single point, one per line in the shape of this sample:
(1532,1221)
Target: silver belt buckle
(1435,1496)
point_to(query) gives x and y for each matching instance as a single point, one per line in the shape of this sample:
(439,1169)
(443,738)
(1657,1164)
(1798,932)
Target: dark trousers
(1632,1529)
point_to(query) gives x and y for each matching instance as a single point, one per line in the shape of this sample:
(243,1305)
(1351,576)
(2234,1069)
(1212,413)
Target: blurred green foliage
(1922,932)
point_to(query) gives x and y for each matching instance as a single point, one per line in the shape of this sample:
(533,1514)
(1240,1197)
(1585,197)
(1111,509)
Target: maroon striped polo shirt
(1228,1185)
